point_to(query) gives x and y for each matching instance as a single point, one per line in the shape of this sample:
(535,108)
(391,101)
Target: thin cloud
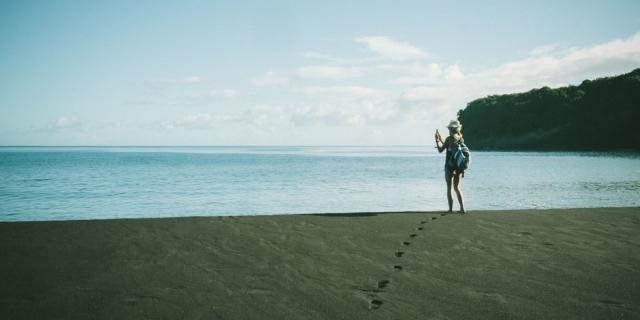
(257,117)
(428,93)
(223,93)
(393,49)
(186,80)
(544,50)
(344,91)
(204,97)
(332,60)
(328,72)
(417,74)
(271,79)
(197,121)
(170,91)
(322,56)
(66,123)
(364,112)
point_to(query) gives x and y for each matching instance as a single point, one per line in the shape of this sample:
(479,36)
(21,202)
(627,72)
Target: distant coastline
(573,118)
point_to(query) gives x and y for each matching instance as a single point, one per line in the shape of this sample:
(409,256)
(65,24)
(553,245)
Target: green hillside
(599,115)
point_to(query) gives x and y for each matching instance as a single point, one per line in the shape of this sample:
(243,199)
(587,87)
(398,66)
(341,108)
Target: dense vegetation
(597,115)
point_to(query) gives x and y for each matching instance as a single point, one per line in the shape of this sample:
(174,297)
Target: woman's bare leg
(456,187)
(447,177)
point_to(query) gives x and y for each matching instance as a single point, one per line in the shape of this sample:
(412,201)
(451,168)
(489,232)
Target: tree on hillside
(596,115)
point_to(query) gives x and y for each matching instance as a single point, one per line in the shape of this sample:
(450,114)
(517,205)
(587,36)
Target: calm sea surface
(60,183)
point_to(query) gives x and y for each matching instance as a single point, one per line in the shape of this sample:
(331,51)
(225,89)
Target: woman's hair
(456,130)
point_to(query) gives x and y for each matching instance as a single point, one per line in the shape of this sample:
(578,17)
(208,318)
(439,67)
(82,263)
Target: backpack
(459,160)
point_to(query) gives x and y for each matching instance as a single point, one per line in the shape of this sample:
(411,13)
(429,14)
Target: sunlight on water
(53,183)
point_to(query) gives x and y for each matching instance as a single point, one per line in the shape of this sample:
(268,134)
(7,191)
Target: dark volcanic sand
(551,264)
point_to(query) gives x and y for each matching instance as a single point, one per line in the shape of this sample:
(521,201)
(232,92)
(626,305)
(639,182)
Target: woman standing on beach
(451,175)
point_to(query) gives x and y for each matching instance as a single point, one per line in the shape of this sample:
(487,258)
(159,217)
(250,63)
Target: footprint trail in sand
(375,302)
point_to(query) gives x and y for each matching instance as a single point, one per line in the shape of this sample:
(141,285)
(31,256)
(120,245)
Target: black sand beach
(535,264)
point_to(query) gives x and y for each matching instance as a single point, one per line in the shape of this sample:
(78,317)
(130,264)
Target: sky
(287,72)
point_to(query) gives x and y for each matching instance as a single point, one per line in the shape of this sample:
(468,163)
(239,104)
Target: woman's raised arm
(444,144)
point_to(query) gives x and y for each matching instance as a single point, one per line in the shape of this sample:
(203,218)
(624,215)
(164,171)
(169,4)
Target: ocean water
(61,183)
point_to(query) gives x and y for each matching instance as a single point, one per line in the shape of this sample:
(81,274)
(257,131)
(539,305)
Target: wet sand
(533,264)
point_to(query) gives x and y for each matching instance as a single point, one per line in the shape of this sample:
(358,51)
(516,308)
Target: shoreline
(493,264)
(328,214)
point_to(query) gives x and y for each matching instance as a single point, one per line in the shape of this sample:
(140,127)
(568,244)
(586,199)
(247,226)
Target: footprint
(370,292)
(383,284)
(419,228)
(413,235)
(399,254)
(612,303)
(443,214)
(423,222)
(406,243)
(375,304)
(397,267)
(433,218)
(372,296)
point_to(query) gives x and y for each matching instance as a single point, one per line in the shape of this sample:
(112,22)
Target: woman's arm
(444,144)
